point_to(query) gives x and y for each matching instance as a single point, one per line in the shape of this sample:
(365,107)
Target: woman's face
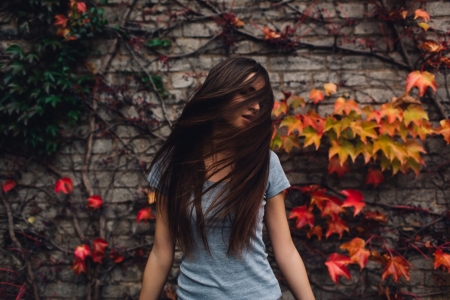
(246,115)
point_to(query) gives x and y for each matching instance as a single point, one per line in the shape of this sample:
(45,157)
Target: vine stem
(16,242)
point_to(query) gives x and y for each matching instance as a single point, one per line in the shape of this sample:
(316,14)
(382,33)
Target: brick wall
(126,135)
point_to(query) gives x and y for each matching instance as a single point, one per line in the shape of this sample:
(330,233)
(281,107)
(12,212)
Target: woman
(215,179)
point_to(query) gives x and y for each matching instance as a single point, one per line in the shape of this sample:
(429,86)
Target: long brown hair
(202,131)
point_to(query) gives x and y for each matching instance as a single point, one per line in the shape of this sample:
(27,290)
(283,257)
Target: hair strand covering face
(203,131)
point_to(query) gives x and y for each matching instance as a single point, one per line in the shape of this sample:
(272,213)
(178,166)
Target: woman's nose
(255,107)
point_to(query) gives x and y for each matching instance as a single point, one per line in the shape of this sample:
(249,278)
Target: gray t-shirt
(222,277)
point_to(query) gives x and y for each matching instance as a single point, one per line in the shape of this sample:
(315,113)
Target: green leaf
(154,43)
(15,50)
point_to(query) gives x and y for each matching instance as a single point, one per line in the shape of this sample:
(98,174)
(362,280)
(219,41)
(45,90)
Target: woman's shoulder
(274,160)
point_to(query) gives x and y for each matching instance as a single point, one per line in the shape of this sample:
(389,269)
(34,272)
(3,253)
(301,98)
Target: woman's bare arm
(160,260)
(286,255)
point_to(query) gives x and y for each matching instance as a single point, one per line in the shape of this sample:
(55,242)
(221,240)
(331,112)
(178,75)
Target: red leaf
(82,251)
(336,225)
(334,165)
(337,266)
(116,256)
(316,230)
(61,20)
(64,185)
(441,259)
(98,257)
(8,185)
(95,201)
(79,266)
(396,266)
(303,215)
(421,80)
(375,177)
(375,215)
(332,207)
(100,245)
(357,252)
(354,198)
(81,6)
(145,214)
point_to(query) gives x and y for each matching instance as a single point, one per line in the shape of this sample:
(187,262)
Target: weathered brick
(296,63)
(438,9)
(200,29)
(350,10)
(182,80)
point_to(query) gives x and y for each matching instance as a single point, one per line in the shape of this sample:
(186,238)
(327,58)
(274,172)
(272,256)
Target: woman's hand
(160,260)
(286,255)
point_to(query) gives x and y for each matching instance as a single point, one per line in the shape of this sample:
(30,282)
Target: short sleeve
(154,177)
(277,181)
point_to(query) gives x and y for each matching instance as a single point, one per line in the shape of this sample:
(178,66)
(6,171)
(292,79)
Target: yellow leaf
(424,26)
(31,220)
(289,142)
(330,88)
(343,149)
(292,123)
(311,137)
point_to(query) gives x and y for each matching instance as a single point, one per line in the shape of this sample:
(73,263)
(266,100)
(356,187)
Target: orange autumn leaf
(144,215)
(336,225)
(413,150)
(391,113)
(431,46)
(421,131)
(404,13)
(375,177)
(365,149)
(446,61)
(420,13)
(316,95)
(441,259)
(95,201)
(389,128)
(8,185)
(336,264)
(330,88)
(343,149)
(295,101)
(444,130)
(289,142)
(334,165)
(270,34)
(237,22)
(371,114)
(61,20)
(279,107)
(311,137)
(365,129)
(64,185)
(421,80)
(396,266)
(332,207)
(375,215)
(317,231)
(79,266)
(292,123)
(354,198)
(303,215)
(318,198)
(314,120)
(391,149)
(357,252)
(341,106)
(82,251)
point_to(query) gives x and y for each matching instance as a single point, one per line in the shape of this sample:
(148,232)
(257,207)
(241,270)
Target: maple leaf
(100,245)
(277,143)
(392,150)
(357,252)
(441,259)
(314,120)
(95,201)
(392,113)
(279,107)
(292,123)
(446,61)
(343,149)
(414,114)
(64,185)
(303,215)
(8,185)
(365,149)
(81,6)
(330,88)
(404,100)
(423,25)
(116,256)
(289,142)
(98,257)
(396,266)
(365,129)
(334,165)
(354,198)
(375,177)
(389,128)
(318,198)
(420,13)
(237,22)
(371,114)
(404,13)
(316,230)
(413,149)
(337,266)
(270,34)
(431,46)
(295,101)
(309,189)
(79,266)
(82,251)
(341,106)
(316,96)
(336,225)
(444,130)
(311,137)
(61,20)
(375,215)
(332,207)
(421,80)
(144,215)
(421,131)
